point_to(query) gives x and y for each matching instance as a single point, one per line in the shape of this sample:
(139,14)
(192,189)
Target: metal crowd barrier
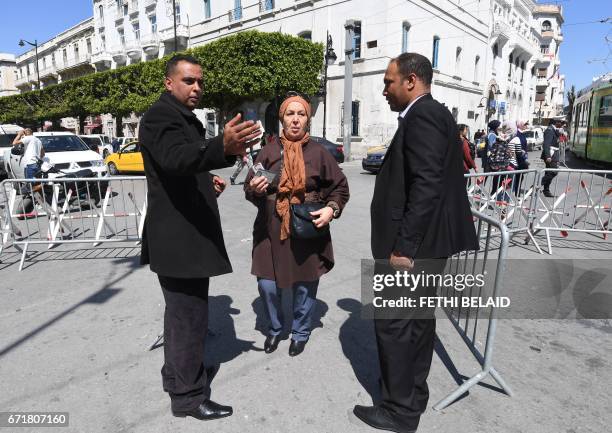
(72,210)
(468,323)
(506,196)
(581,202)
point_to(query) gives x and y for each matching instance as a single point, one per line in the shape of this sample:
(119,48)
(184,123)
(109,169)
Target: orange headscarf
(292,184)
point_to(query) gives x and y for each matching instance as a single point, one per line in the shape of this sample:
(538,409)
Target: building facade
(491,58)
(131,31)
(8,75)
(65,56)
(550,85)
(453,37)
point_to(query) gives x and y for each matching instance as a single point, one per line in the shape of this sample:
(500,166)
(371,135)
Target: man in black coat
(419,211)
(182,239)
(550,153)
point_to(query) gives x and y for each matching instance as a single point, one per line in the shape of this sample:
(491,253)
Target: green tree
(242,67)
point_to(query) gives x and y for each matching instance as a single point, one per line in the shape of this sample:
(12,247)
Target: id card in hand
(259,170)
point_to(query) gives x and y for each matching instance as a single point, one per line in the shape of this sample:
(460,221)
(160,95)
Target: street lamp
(330,58)
(22,43)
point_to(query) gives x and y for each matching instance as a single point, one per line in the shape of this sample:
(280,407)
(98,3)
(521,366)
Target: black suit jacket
(551,138)
(182,233)
(420,206)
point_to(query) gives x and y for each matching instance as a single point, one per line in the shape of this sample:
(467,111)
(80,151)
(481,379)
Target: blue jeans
(30,170)
(304,303)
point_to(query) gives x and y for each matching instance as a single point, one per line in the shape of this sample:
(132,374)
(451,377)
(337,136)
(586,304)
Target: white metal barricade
(68,210)
(580,202)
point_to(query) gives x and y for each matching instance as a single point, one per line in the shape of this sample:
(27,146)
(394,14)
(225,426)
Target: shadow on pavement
(99,297)
(222,344)
(359,346)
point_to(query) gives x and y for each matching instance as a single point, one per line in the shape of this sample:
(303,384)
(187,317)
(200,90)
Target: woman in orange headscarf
(306,173)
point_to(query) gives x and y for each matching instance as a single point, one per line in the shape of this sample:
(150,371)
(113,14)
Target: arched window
(495,50)
(546,26)
(306,34)
(435,51)
(510,61)
(405,32)
(476,65)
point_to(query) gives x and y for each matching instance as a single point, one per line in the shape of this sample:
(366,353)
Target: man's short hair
(413,63)
(171,64)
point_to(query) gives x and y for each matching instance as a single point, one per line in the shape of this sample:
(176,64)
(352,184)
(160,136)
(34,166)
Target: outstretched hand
(237,134)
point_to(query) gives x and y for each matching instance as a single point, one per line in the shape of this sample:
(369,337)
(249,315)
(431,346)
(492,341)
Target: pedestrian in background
(468,152)
(550,153)
(306,174)
(33,152)
(182,239)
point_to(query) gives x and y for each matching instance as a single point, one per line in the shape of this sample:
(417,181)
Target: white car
(64,150)
(535,138)
(7,135)
(99,142)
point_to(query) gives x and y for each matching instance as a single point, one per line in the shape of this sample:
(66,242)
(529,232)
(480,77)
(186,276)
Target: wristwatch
(335,208)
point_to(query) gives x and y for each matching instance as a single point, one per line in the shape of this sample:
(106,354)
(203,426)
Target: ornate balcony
(102,60)
(118,53)
(541,82)
(133,49)
(502,32)
(150,44)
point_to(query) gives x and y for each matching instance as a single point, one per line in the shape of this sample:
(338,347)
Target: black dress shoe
(207,410)
(547,193)
(380,418)
(296,347)
(271,343)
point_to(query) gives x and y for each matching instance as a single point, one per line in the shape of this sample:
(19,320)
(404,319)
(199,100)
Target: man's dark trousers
(549,176)
(185,329)
(405,341)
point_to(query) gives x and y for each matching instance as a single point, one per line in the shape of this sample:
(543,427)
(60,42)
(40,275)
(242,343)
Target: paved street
(77,322)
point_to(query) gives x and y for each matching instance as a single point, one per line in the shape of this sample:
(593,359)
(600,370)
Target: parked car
(337,150)
(127,160)
(374,157)
(65,151)
(97,143)
(535,138)
(7,135)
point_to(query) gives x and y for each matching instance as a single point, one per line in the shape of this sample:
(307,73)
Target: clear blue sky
(585,42)
(42,19)
(38,19)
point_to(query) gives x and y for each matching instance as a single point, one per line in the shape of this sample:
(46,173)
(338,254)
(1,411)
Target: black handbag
(301,221)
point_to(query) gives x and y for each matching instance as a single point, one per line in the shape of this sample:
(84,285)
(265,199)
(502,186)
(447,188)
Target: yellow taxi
(127,160)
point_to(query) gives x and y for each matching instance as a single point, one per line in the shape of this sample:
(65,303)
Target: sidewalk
(77,323)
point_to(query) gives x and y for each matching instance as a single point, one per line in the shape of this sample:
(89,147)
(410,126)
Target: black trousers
(549,176)
(185,329)
(405,351)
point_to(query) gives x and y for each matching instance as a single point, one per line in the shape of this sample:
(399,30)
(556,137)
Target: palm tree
(571,97)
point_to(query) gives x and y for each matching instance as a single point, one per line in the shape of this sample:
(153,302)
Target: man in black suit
(419,211)
(182,239)
(550,153)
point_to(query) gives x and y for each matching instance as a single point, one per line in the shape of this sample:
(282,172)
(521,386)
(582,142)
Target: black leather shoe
(206,411)
(547,193)
(380,418)
(296,347)
(271,343)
